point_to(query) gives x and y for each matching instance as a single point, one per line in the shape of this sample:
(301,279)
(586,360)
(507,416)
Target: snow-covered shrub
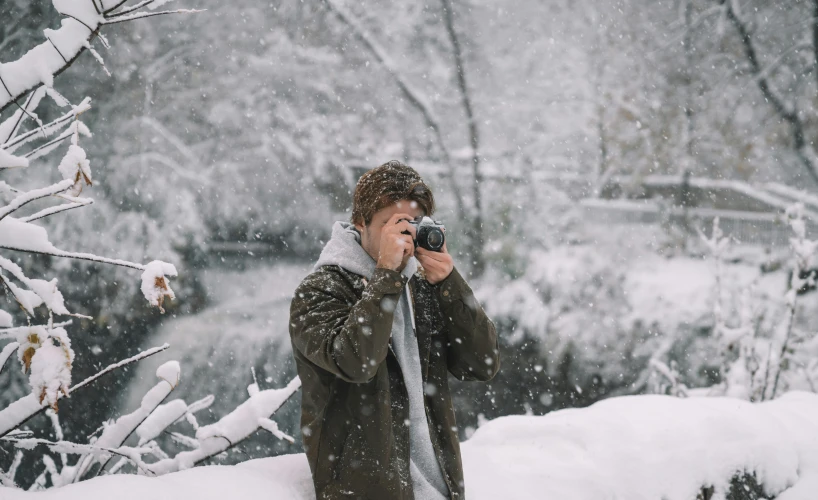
(761,359)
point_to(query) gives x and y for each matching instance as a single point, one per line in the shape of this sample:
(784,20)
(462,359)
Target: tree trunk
(474,140)
(787,113)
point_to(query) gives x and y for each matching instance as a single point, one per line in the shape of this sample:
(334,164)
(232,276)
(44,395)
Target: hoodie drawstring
(410,300)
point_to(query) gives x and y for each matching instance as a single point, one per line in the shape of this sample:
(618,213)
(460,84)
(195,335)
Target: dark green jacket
(354,410)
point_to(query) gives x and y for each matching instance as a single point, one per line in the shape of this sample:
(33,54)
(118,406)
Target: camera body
(430,234)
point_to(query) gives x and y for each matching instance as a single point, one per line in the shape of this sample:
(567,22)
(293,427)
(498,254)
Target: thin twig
(79,255)
(115,20)
(54,210)
(130,9)
(37,194)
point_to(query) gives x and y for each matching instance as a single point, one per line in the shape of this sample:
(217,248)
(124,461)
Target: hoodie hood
(344,249)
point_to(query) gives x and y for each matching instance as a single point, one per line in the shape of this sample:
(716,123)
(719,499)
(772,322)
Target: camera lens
(435,238)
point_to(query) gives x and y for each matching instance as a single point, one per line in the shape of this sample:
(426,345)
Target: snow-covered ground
(630,448)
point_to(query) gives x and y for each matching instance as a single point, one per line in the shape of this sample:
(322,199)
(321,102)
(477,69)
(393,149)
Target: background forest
(226,142)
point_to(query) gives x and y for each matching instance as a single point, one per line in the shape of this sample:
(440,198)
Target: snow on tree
(42,343)
(45,350)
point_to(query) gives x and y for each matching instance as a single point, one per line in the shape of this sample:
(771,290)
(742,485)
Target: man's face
(371,234)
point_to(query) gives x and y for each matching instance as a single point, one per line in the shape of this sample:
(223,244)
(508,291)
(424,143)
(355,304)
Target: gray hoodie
(344,249)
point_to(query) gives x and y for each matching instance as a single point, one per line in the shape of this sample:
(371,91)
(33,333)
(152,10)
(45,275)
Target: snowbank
(638,447)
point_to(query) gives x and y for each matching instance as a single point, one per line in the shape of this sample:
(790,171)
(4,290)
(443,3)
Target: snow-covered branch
(233,428)
(114,435)
(33,195)
(92,450)
(42,63)
(80,25)
(15,234)
(23,409)
(56,209)
(46,130)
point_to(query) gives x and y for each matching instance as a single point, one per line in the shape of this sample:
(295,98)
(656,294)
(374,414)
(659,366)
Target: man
(374,337)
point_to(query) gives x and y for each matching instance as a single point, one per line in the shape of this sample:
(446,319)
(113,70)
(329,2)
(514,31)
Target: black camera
(429,234)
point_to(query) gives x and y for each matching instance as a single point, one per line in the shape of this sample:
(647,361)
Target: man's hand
(438,265)
(396,248)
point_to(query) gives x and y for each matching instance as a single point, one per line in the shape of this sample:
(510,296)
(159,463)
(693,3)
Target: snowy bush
(610,313)
(757,364)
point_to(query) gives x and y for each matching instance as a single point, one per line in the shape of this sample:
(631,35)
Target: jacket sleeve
(473,351)
(349,340)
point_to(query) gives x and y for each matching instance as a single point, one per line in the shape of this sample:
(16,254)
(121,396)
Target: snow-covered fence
(759,228)
(749,213)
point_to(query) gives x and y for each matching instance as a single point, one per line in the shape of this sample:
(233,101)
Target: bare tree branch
(786,112)
(412,95)
(815,36)
(133,17)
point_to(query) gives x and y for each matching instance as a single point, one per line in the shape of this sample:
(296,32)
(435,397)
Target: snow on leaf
(170,372)
(50,366)
(47,290)
(75,166)
(155,283)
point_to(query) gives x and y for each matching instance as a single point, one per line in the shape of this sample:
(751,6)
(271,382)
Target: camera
(429,234)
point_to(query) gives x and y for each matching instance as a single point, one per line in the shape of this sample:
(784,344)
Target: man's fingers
(400,227)
(427,264)
(396,217)
(436,256)
(430,263)
(408,246)
(407,240)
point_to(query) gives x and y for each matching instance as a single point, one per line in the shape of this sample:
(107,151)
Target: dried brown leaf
(27,355)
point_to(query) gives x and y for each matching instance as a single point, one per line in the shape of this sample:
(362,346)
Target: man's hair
(386,185)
